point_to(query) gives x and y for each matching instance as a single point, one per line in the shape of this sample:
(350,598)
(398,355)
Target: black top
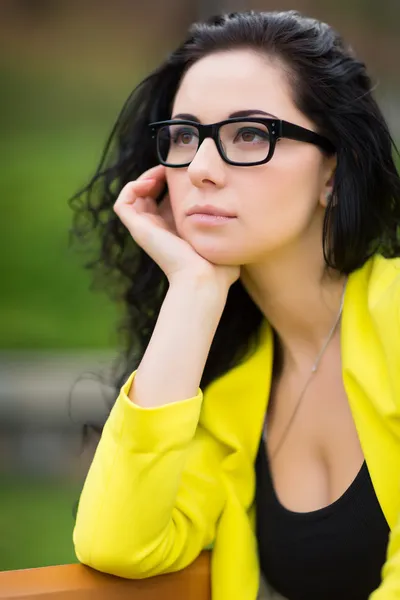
(334,553)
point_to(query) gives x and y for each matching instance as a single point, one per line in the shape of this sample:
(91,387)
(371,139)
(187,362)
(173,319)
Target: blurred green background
(65,71)
(66,68)
(52,146)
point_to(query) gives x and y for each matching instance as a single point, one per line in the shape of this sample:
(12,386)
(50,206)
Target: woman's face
(274,204)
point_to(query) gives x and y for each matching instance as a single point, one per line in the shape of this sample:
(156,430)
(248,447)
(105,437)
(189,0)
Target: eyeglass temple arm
(295,132)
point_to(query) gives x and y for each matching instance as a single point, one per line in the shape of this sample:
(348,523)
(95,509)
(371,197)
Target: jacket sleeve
(390,586)
(152,496)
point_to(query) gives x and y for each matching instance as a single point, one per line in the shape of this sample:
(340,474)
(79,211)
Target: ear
(328,181)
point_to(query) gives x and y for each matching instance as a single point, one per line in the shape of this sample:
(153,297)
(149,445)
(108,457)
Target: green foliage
(51,150)
(36,523)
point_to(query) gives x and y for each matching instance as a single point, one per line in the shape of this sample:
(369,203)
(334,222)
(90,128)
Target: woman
(248,203)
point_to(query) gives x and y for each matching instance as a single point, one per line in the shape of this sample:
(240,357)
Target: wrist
(200,286)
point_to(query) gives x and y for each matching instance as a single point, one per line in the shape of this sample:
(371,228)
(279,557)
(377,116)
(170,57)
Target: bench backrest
(78,582)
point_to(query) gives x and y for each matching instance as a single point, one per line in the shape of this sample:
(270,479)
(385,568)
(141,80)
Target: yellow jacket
(167,482)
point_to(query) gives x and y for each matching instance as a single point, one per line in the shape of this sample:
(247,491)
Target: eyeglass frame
(277,129)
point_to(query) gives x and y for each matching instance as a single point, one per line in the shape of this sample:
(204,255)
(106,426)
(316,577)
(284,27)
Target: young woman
(248,208)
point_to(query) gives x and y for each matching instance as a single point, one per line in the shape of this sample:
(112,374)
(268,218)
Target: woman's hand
(153,228)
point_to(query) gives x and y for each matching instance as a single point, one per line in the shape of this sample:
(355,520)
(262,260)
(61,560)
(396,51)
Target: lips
(209,210)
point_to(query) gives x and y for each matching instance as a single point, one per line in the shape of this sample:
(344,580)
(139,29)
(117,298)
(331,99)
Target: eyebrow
(238,113)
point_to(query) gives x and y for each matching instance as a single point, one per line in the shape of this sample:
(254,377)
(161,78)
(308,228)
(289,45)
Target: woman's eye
(183,137)
(252,135)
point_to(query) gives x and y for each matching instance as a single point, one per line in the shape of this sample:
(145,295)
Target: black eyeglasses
(241,141)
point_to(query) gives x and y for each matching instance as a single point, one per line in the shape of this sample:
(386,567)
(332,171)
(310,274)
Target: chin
(218,254)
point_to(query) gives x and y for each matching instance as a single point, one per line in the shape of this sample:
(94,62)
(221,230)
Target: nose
(207,167)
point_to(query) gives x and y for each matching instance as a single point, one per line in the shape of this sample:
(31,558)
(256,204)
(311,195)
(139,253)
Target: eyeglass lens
(242,142)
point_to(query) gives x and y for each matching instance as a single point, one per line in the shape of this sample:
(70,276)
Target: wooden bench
(78,582)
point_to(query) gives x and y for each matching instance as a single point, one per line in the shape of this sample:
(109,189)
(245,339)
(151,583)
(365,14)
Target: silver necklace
(313,371)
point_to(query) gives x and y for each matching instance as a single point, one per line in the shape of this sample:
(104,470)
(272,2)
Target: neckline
(361,476)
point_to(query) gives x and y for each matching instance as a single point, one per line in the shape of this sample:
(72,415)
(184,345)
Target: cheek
(298,169)
(275,203)
(281,201)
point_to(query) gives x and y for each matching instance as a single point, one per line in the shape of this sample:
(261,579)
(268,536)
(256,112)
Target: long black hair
(331,87)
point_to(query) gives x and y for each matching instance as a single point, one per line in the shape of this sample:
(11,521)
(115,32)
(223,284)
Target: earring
(328,197)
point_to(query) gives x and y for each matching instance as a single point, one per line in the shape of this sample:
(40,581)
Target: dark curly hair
(331,87)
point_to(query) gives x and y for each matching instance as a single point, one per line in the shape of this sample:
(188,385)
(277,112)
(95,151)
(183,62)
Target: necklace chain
(307,383)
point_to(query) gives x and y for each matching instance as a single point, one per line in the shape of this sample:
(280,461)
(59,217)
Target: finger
(131,191)
(165,202)
(129,212)
(157,172)
(150,205)
(165,211)
(164,207)
(140,187)
(145,205)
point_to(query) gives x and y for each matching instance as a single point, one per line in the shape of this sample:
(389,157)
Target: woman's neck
(300,300)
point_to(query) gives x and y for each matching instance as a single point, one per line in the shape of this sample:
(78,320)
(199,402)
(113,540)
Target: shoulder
(373,308)
(378,281)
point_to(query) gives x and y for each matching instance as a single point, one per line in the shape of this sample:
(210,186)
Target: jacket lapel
(369,342)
